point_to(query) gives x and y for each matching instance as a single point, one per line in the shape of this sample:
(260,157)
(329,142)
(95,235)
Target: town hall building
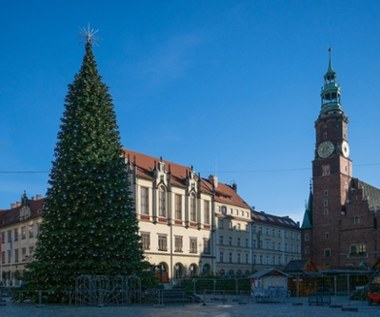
(340,225)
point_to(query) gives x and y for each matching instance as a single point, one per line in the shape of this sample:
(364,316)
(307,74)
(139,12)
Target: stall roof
(300,266)
(268,272)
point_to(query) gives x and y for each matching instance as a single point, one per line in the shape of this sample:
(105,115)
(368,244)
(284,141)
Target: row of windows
(14,256)
(354,250)
(356,219)
(231,226)
(230,241)
(360,248)
(22,233)
(268,233)
(271,259)
(259,244)
(224,210)
(145,206)
(238,258)
(327,234)
(326,170)
(178,243)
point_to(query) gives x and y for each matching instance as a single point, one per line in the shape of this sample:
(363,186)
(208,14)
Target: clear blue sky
(230,87)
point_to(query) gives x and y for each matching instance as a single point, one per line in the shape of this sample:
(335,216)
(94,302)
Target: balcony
(358,255)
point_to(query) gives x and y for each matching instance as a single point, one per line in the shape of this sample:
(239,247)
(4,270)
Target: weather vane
(89,34)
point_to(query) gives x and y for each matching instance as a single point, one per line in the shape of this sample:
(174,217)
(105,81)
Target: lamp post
(177,273)
(192,270)
(159,268)
(162,270)
(375,210)
(194,286)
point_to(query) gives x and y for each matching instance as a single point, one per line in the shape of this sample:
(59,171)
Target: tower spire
(330,94)
(330,68)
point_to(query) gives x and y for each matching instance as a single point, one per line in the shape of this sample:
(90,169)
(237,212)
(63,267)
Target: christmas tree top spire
(89,34)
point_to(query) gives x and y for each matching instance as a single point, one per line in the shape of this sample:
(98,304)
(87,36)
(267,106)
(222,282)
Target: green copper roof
(330,71)
(307,222)
(330,93)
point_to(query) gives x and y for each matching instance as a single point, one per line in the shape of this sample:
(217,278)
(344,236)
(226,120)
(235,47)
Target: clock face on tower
(345,149)
(325,149)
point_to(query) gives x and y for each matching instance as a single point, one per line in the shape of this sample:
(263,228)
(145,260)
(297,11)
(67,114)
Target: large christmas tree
(89,225)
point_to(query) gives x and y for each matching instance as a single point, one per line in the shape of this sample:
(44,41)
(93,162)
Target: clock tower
(332,173)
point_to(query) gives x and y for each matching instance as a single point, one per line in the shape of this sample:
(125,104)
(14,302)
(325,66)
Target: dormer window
(25,212)
(161,165)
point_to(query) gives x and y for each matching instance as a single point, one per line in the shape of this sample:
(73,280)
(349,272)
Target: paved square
(229,309)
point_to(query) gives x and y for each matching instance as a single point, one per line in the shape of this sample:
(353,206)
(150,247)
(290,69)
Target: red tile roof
(12,215)
(145,166)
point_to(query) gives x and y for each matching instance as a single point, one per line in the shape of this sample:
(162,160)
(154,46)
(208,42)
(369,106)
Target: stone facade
(191,225)
(19,227)
(181,219)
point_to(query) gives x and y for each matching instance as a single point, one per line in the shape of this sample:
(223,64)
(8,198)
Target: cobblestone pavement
(291,308)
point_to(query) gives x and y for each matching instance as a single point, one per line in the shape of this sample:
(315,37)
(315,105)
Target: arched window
(193,208)
(162,202)
(179,270)
(193,270)
(161,272)
(206,269)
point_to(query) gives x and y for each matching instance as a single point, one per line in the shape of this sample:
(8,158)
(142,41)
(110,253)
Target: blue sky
(230,87)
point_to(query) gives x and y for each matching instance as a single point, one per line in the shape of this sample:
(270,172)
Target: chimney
(38,197)
(234,186)
(213,180)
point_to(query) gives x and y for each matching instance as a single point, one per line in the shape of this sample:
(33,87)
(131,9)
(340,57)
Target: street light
(159,268)
(194,285)
(178,273)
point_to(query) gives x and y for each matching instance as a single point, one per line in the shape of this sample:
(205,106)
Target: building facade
(275,240)
(189,225)
(19,228)
(340,222)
